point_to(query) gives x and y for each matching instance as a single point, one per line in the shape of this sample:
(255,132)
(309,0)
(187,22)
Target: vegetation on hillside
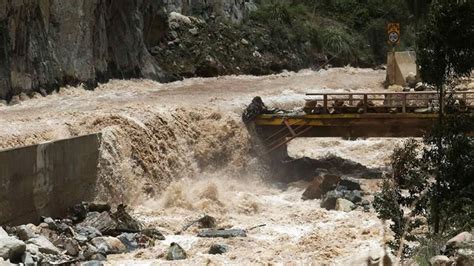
(347,31)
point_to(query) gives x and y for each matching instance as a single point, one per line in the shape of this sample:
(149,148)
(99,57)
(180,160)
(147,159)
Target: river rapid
(174,152)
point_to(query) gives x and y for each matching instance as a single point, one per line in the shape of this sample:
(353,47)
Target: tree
(445,45)
(433,183)
(411,196)
(446,51)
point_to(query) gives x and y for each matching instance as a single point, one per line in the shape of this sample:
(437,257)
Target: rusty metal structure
(354,115)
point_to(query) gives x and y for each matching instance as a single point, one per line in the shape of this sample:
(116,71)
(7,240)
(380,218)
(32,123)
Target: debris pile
(90,232)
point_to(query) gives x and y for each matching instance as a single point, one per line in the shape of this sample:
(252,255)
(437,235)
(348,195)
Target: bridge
(354,115)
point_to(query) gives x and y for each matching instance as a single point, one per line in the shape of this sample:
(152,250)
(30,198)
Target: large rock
(176,252)
(440,260)
(349,184)
(217,249)
(88,232)
(329,201)
(25,232)
(411,80)
(459,240)
(44,245)
(103,222)
(320,186)
(465,256)
(11,249)
(344,205)
(129,240)
(109,244)
(70,245)
(3,233)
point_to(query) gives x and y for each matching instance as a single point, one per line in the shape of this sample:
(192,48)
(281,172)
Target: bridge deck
(353,115)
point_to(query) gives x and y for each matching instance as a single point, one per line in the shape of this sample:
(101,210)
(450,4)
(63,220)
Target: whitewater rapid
(174,152)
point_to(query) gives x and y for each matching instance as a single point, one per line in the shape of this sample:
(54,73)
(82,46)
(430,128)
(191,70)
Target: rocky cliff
(45,44)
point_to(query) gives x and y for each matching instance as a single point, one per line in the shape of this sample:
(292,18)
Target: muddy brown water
(177,151)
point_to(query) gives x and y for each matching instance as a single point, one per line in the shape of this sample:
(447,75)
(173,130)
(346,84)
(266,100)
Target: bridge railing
(380,102)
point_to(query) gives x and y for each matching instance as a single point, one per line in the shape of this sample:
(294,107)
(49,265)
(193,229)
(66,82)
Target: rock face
(235,10)
(45,44)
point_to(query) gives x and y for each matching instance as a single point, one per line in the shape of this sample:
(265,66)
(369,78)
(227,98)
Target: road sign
(393,31)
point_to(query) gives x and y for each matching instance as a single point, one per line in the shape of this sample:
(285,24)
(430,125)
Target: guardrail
(382,102)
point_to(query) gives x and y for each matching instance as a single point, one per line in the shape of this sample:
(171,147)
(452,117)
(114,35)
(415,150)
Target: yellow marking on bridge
(323,119)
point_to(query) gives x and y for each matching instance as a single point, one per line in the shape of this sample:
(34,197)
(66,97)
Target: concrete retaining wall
(399,65)
(46,179)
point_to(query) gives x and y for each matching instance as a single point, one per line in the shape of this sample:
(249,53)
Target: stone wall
(45,44)
(46,179)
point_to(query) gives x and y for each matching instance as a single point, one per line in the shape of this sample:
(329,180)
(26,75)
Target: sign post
(393,34)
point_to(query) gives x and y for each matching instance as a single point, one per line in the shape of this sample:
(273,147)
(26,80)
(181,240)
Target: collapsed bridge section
(354,115)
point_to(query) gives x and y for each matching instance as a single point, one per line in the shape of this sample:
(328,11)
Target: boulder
(109,244)
(51,223)
(349,184)
(411,80)
(129,240)
(124,221)
(320,186)
(103,222)
(88,232)
(27,259)
(353,196)
(78,212)
(207,222)
(329,201)
(11,248)
(3,233)
(90,252)
(216,249)
(440,260)
(23,96)
(344,205)
(32,249)
(420,86)
(14,100)
(176,252)
(44,245)
(459,240)
(153,233)
(99,207)
(465,257)
(71,245)
(25,232)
